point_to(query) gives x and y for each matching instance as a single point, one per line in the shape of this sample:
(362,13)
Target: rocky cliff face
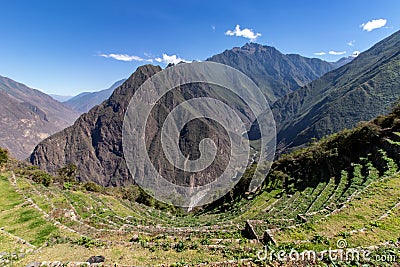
(28,116)
(94,142)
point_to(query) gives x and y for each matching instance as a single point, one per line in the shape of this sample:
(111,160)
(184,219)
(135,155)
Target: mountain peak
(145,70)
(275,73)
(252,48)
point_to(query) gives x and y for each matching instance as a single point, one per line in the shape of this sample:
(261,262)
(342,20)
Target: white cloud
(213,28)
(246,33)
(336,53)
(320,53)
(351,43)
(170,59)
(373,24)
(164,59)
(125,57)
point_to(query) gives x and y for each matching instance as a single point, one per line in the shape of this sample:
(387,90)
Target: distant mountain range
(253,59)
(275,73)
(85,101)
(28,116)
(60,98)
(344,60)
(358,91)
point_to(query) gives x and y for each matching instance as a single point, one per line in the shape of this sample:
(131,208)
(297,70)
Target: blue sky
(66,47)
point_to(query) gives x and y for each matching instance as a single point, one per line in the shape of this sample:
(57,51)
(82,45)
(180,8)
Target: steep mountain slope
(85,101)
(276,74)
(94,142)
(28,116)
(359,90)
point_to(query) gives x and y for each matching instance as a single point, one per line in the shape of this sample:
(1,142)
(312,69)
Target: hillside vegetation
(345,186)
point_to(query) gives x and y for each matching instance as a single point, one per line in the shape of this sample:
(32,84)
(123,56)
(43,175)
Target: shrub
(92,187)
(166,246)
(68,185)
(205,241)
(41,177)
(180,246)
(344,234)
(68,173)
(391,164)
(3,156)
(88,242)
(318,239)
(32,167)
